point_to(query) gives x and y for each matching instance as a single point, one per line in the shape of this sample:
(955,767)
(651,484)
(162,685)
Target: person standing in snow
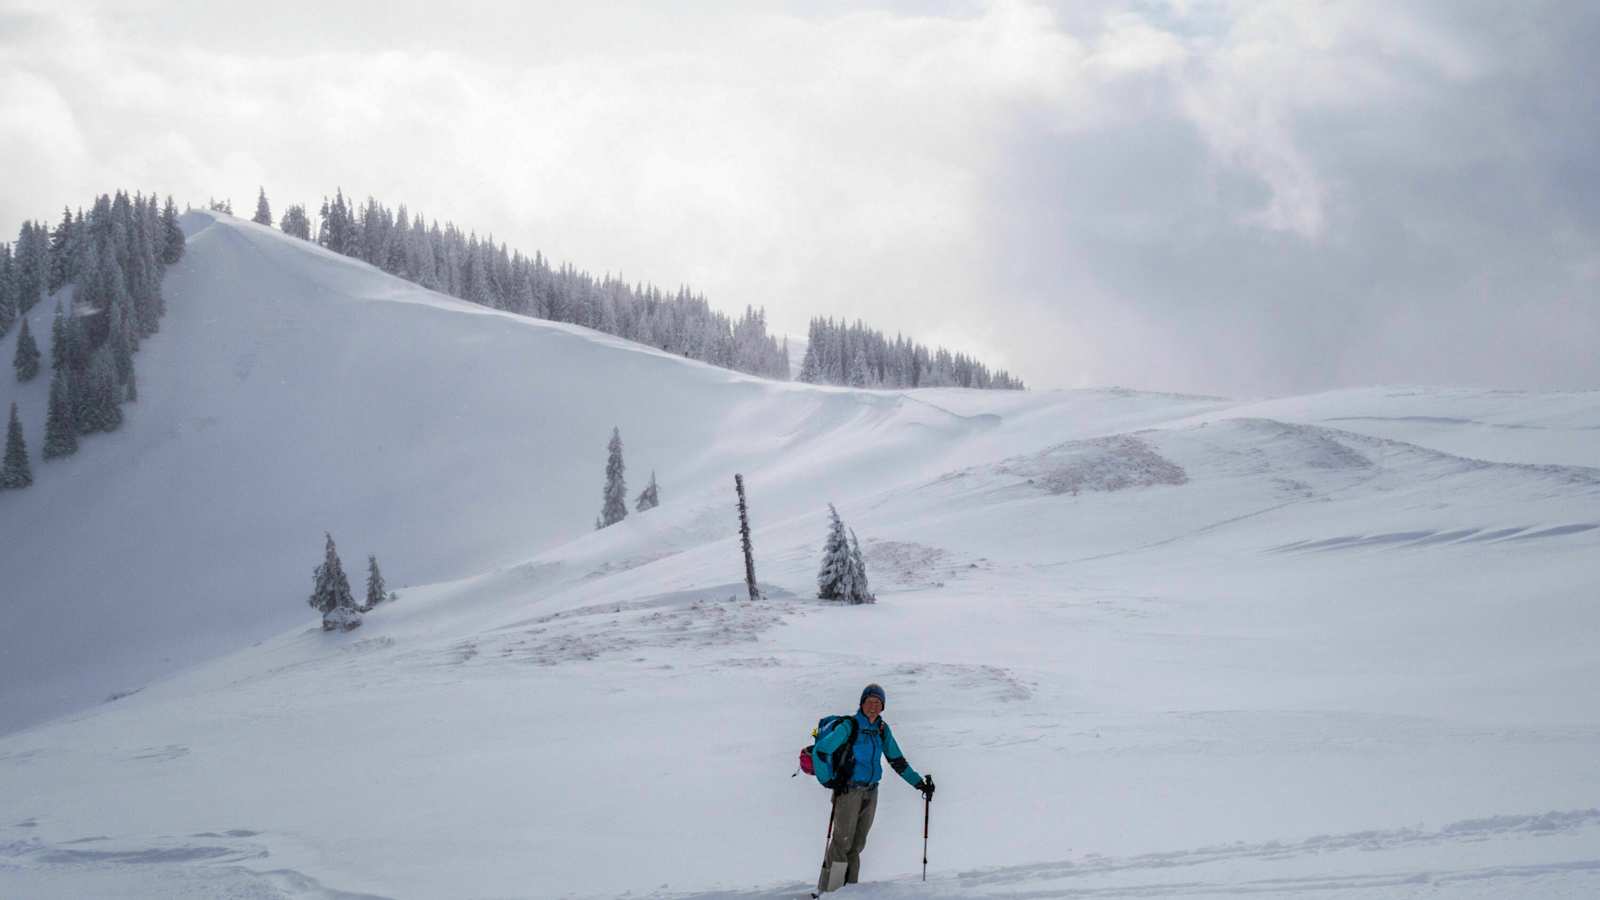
(855,804)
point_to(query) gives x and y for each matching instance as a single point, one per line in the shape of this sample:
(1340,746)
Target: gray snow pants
(852,819)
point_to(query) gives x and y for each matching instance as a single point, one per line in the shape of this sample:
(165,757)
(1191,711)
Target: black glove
(926,786)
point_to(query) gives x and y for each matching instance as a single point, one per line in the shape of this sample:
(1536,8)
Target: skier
(855,804)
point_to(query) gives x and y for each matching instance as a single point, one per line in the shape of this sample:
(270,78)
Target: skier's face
(872,706)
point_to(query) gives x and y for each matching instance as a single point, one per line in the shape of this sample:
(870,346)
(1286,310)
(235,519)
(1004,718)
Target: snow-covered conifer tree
(60,432)
(30,282)
(859,376)
(14,472)
(849,590)
(330,588)
(650,497)
(144,282)
(120,343)
(61,241)
(330,592)
(8,289)
(26,359)
(103,398)
(394,260)
(836,567)
(295,223)
(58,339)
(172,240)
(615,507)
(810,369)
(376,592)
(263,214)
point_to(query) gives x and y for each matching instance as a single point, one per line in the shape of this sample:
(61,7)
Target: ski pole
(927,805)
(833,810)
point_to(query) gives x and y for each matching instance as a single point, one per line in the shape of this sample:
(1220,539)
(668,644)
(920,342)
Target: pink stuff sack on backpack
(805,762)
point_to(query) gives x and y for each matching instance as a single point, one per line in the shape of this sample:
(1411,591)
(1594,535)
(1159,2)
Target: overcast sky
(1236,198)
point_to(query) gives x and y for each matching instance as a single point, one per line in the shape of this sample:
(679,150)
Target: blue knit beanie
(873,690)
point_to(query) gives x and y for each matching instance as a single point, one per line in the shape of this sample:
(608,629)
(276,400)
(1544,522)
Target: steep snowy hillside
(293,391)
(1332,646)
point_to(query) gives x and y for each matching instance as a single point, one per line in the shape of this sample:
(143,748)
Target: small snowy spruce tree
(26,360)
(650,497)
(263,214)
(843,575)
(330,592)
(836,567)
(376,592)
(615,508)
(14,472)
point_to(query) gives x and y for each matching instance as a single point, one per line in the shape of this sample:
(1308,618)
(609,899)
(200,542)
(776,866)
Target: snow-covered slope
(292,391)
(1150,645)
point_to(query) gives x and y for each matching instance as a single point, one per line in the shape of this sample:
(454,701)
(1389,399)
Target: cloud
(1207,196)
(40,139)
(1318,196)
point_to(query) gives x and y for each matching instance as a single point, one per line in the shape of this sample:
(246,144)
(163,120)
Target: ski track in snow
(1430,538)
(1243,869)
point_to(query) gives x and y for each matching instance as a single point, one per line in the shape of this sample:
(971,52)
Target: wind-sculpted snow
(1492,425)
(1288,444)
(170,867)
(1104,464)
(696,619)
(909,566)
(1289,462)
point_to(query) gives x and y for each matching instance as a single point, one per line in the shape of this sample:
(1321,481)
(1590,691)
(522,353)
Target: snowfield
(1336,646)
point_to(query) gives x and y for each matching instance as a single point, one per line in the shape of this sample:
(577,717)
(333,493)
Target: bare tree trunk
(744,538)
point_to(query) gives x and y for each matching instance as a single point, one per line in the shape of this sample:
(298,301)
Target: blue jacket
(874,744)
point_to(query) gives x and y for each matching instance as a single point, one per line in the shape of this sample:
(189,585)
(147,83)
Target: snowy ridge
(294,391)
(1287,634)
